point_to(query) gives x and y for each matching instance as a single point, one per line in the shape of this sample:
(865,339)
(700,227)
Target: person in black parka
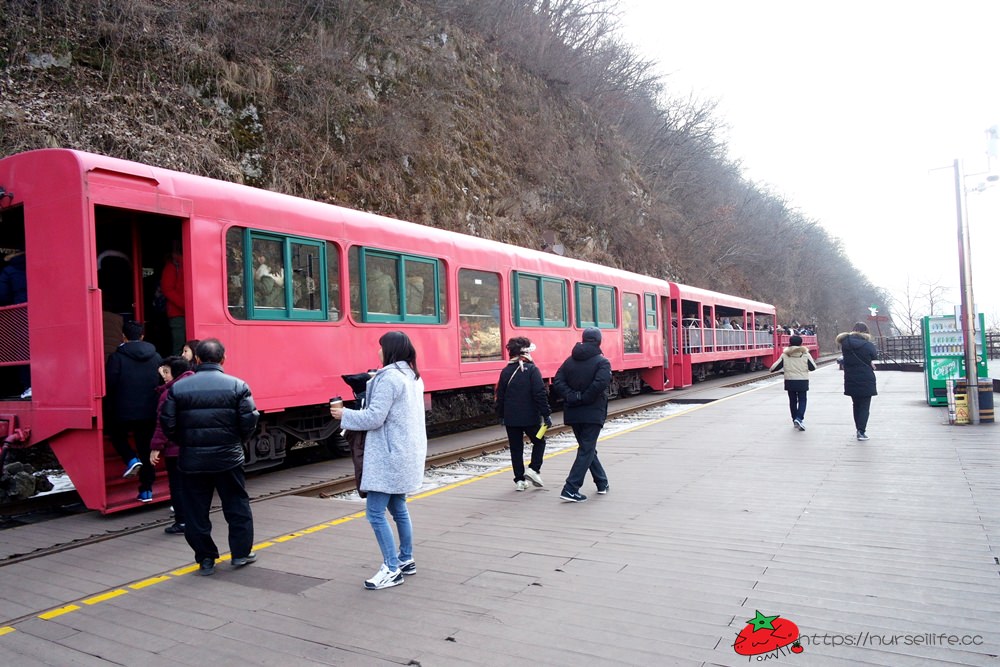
(132,376)
(583,381)
(523,406)
(859,373)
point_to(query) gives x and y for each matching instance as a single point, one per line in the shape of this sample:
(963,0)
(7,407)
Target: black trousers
(197,490)
(142,432)
(175,480)
(586,458)
(515,440)
(862,408)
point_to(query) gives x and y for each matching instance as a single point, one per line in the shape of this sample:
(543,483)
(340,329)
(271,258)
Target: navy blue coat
(210,415)
(583,381)
(859,354)
(521,396)
(13,282)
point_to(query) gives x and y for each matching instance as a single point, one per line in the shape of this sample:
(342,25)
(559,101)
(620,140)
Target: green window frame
(652,320)
(596,306)
(538,301)
(262,261)
(396,285)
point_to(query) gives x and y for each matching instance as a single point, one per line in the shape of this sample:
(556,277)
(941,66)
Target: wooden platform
(712,515)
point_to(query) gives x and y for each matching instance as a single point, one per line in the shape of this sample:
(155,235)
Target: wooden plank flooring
(712,515)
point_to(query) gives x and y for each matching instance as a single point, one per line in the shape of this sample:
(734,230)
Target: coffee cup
(336,402)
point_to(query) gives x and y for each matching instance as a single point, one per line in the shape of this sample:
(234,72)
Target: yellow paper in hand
(541,432)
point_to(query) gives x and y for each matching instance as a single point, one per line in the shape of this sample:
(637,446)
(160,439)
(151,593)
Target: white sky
(846,110)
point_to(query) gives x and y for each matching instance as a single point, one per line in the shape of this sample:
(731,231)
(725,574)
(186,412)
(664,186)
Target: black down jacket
(859,354)
(210,415)
(132,378)
(521,397)
(583,381)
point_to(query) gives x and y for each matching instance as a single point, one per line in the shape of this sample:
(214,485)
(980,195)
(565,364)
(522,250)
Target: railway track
(345,483)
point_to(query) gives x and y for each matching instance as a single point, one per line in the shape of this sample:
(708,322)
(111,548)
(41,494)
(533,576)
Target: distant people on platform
(523,407)
(859,354)
(188,350)
(14,290)
(171,370)
(796,362)
(582,382)
(132,377)
(210,415)
(395,452)
(172,286)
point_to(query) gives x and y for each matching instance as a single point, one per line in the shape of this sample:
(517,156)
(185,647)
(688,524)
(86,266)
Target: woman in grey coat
(395,450)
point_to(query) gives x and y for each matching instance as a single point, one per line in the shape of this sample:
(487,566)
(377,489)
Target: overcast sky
(853,112)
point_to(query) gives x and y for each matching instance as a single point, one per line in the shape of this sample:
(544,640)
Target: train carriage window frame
(406,268)
(479,315)
(537,293)
(649,303)
(631,333)
(600,301)
(314,281)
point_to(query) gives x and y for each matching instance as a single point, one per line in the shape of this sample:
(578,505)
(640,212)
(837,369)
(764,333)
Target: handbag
(356,441)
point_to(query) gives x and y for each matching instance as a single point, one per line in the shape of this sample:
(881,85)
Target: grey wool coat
(396,444)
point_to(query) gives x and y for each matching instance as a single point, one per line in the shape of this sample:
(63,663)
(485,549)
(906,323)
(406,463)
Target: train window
(479,315)
(392,287)
(280,277)
(630,322)
(538,301)
(333,281)
(651,318)
(595,306)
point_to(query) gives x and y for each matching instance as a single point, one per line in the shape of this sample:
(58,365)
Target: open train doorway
(133,249)
(15,353)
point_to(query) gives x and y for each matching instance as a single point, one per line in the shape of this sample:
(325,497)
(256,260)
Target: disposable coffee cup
(336,402)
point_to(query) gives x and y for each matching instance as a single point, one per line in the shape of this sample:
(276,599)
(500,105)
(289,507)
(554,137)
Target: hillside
(525,122)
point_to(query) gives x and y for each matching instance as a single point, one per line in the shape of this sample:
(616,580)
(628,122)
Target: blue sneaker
(572,497)
(132,468)
(145,497)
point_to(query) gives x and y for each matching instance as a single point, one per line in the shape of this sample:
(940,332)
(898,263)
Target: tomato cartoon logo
(764,634)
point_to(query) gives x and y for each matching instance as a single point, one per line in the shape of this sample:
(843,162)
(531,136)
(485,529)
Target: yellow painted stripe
(285,538)
(263,545)
(6,630)
(184,570)
(148,582)
(313,529)
(52,613)
(105,596)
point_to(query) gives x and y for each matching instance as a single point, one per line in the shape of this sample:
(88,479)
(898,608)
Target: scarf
(520,359)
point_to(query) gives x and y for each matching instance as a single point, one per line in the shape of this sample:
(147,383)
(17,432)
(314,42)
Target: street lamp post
(968,304)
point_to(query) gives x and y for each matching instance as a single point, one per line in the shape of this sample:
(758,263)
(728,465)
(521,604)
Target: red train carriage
(299,293)
(715,333)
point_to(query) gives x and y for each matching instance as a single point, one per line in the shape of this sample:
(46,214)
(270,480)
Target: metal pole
(968,304)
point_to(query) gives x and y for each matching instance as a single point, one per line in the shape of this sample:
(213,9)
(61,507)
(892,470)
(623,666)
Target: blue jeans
(586,458)
(375,507)
(797,404)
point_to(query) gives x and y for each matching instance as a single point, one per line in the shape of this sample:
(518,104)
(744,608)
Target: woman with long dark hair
(395,451)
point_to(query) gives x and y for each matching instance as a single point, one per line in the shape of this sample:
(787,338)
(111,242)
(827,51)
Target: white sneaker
(521,485)
(384,578)
(26,393)
(534,477)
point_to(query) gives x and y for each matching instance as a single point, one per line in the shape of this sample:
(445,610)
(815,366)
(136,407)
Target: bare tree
(934,294)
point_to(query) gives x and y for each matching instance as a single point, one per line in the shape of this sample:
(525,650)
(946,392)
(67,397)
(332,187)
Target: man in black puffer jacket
(210,415)
(582,381)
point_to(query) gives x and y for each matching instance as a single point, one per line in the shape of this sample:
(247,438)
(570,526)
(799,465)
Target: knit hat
(592,335)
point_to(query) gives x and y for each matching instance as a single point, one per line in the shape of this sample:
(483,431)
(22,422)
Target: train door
(133,248)
(15,357)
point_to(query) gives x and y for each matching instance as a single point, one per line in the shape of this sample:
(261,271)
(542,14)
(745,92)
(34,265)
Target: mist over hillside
(526,122)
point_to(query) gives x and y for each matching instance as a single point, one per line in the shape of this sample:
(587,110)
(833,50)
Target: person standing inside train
(796,362)
(582,381)
(172,286)
(210,415)
(395,452)
(859,355)
(523,406)
(171,370)
(132,378)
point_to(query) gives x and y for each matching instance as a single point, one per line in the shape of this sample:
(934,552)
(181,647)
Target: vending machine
(944,354)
